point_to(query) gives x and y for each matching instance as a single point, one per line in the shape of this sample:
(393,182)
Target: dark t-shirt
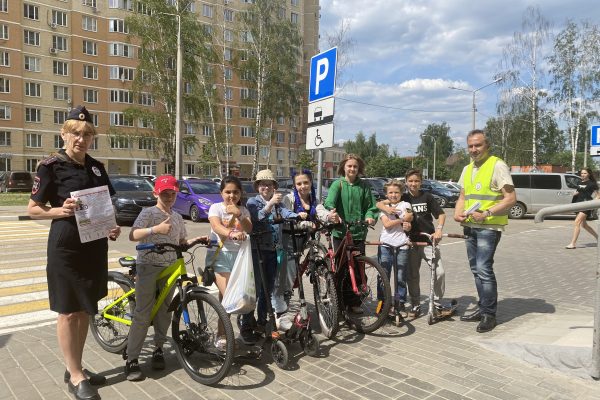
(425,208)
(586,191)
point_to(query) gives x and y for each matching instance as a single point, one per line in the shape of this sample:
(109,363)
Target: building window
(280,155)
(3,5)
(117,25)
(5,164)
(5,112)
(119,119)
(247,131)
(122,4)
(121,96)
(246,37)
(146,99)
(31,12)
(294,18)
(206,130)
(4,32)
(90,72)
(59,18)
(90,48)
(4,138)
(228,72)
(145,123)
(190,169)
(59,43)
(228,112)
(32,64)
(31,164)
(89,23)
(119,142)
(280,120)
(280,137)
(243,55)
(264,151)
(228,94)
(207,11)
(90,95)
(33,114)
(146,167)
(58,142)
(228,15)
(94,119)
(34,140)
(120,50)
(60,117)
(189,149)
(228,35)
(248,112)
(33,89)
(292,138)
(246,150)
(190,129)
(4,58)
(60,68)
(294,2)
(5,85)
(31,38)
(146,143)
(61,92)
(227,54)
(89,3)
(121,73)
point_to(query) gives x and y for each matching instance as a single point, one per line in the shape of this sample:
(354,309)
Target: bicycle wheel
(204,351)
(373,310)
(326,299)
(112,335)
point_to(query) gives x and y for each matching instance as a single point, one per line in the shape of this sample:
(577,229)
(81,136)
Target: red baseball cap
(165,182)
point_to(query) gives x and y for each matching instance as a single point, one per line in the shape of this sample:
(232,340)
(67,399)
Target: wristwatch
(488,213)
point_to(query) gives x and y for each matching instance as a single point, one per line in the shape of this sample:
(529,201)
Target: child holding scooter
(395,245)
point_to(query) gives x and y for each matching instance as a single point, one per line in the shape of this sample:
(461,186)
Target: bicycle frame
(346,252)
(172,273)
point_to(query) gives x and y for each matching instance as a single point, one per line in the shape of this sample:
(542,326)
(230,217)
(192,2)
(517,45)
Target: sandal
(570,247)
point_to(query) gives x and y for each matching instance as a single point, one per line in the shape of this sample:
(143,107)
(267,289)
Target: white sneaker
(284,322)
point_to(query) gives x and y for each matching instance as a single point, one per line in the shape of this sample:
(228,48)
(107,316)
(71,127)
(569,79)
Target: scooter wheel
(430,319)
(279,353)
(310,344)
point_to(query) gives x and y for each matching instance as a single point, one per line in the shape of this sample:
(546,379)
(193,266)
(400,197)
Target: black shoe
(133,371)
(158,359)
(473,317)
(249,337)
(94,379)
(488,322)
(84,391)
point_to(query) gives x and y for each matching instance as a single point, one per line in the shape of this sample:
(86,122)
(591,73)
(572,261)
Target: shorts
(223,262)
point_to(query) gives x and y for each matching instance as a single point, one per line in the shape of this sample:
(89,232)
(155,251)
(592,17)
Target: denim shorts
(223,262)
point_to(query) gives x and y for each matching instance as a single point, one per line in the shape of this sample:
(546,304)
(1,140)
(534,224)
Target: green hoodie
(353,202)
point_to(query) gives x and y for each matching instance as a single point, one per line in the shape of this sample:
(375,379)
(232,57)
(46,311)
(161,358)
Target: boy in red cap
(158,224)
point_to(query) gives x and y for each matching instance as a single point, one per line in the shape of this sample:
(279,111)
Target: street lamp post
(434,153)
(473,107)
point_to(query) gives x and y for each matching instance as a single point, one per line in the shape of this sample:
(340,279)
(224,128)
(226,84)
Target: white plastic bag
(240,295)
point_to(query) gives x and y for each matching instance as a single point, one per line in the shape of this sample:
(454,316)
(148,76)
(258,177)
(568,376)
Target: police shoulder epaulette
(49,160)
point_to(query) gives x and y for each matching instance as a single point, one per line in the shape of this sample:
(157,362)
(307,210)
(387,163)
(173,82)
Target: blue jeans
(385,256)
(481,247)
(268,269)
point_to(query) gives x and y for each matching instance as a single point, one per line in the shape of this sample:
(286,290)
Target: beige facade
(55,54)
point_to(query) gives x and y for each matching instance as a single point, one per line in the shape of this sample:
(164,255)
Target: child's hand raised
(233,210)
(164,227)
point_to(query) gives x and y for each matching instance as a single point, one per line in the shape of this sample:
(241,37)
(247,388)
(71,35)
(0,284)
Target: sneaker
(133,371)
(249,337)
(283,322)
(158,359)
(414,311)
(355,310)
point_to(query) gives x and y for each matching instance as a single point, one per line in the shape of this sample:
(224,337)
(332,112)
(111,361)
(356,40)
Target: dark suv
(446,197)
(15,181)
(132,194)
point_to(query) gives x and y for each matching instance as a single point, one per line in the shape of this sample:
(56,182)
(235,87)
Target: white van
(538,190)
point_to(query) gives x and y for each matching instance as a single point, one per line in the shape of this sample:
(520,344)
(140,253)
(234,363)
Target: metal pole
(434,155)
(178,158)
(319,175)
(474,109)
(595,367)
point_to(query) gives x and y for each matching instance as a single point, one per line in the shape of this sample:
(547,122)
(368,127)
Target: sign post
(595,140)
(321,105)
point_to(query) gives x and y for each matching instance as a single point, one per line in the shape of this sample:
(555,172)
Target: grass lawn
(14,199)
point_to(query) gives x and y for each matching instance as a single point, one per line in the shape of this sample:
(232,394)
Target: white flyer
(94,214)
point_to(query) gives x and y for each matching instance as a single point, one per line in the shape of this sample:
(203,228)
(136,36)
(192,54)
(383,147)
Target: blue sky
(407,53)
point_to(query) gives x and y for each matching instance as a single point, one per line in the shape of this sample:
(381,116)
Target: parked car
(15,181)
(249,191)
(288,186)
(133,193)
(451,185)
(538,190)
(195,197)
(446,197)
(377,187)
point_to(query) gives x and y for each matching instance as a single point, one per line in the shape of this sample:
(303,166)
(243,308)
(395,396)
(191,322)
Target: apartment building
(55,54)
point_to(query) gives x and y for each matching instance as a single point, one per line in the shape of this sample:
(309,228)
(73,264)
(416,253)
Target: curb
(15,218)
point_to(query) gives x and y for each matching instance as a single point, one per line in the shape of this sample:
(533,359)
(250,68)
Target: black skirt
(77,272)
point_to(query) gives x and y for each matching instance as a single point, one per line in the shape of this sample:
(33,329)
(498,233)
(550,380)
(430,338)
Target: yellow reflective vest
(478,189)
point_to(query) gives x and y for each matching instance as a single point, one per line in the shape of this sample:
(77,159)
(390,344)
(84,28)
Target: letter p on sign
(322,75)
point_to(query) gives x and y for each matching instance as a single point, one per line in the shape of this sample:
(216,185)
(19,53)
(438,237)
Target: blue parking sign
(322,75)
(595,135)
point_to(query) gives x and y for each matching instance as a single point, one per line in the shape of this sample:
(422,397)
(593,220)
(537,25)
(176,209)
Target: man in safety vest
(482,209)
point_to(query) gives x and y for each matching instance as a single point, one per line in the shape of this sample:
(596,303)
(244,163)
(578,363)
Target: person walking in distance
(587,190)
(482,209)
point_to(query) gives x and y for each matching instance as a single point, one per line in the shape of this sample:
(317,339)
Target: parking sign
(322,75)
(595,140)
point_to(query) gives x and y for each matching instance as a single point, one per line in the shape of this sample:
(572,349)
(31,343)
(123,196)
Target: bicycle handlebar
(164,247)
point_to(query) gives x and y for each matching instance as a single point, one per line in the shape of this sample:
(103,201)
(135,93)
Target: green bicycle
(199,320)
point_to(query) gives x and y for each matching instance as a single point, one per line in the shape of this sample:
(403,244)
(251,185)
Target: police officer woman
(76,272)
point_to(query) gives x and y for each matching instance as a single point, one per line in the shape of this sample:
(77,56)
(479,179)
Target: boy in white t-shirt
(395,240)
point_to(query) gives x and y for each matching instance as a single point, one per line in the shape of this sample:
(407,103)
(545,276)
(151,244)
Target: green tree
(155,25)
(436,137)
(366,148)
(268,62)
(306,161)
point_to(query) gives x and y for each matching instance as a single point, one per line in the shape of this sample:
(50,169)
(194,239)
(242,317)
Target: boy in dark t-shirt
(425,209)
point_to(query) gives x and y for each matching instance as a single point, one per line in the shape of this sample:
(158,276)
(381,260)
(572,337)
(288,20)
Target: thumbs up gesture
(164,227)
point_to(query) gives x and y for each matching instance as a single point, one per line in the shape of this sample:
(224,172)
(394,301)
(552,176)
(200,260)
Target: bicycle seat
(127,262)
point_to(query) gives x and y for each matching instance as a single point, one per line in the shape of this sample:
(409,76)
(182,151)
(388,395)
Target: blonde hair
(351,156)
(394,182)
(72,125)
